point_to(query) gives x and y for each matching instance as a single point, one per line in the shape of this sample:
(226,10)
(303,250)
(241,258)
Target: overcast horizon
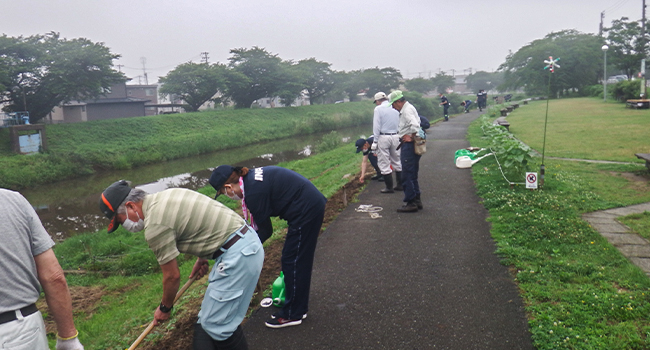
(419,38)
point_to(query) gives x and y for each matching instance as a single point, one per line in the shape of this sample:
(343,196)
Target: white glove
(374,146)
(69,343)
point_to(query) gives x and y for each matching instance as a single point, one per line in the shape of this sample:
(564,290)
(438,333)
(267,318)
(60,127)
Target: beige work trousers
(387,154)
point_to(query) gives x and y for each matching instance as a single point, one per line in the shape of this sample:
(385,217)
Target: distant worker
(28,263)
(385,126)
(274,191)
(481,99)
(466,105)
(179,220)
(409,126)
(369,156)
(444,102)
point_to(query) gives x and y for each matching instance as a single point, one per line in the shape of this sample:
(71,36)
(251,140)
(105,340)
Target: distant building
(460,85)
(145,92)
(114,103)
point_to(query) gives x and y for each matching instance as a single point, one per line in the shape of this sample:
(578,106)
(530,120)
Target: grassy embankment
(82,148)
(131,281)
(579,291)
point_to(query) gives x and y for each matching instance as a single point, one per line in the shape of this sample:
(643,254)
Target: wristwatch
(164,309)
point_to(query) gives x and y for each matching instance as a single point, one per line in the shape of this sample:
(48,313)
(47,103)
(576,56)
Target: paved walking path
(425,280)
(633,246)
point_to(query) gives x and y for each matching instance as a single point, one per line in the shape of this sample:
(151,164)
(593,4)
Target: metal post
(605,48)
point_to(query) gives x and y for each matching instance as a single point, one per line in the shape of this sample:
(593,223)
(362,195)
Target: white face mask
(234,196)
(133,226)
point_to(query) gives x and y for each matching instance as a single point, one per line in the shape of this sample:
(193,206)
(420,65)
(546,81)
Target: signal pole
(144,70)
(600,28)
(643,53)
(204,57)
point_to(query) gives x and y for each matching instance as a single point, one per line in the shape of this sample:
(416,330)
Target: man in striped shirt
(183,221)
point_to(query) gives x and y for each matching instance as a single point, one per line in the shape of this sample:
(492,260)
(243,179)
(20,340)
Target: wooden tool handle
(151,325)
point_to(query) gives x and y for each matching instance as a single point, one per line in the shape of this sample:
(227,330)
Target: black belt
(387,133)
(230,243)
(11,315)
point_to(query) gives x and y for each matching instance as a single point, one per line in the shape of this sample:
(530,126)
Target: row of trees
(581,59)
(254,73)
(40,72)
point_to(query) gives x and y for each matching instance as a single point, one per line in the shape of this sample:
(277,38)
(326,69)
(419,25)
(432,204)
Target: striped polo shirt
(179,220)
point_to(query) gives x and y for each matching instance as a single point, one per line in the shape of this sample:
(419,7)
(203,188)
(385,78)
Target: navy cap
(359,144)
(219,177)
(111,199)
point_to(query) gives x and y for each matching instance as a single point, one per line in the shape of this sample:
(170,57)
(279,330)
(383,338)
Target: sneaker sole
(303,316)
(288,324)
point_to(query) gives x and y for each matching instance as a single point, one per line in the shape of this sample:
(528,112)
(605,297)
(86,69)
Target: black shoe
(280,322)
(388,180)
(418,202)
(381,179)
(409,207)
(376,177)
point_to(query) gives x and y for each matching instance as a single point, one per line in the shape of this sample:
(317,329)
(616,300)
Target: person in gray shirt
(28,263)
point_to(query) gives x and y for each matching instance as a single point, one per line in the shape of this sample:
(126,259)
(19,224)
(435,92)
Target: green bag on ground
(278,291)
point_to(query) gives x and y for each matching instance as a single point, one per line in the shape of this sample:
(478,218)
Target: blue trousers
(231,285)
(410,169)
(373,161)
(297,262)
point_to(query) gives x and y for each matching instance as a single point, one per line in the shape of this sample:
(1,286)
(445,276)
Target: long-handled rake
(150,327)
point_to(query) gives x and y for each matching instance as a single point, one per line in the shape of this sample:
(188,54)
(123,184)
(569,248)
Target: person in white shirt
(385,125)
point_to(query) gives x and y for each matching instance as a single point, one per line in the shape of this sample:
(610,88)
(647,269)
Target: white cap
(379,96)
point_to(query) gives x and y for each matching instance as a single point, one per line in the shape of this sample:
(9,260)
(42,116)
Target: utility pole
(453,72)
(643,53)
(119,67)
(204,57)
(144,70)
(600,28)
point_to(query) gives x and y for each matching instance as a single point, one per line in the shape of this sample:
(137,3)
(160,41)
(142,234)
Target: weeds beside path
(580,291)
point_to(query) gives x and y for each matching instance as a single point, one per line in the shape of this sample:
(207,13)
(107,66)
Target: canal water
(70,207)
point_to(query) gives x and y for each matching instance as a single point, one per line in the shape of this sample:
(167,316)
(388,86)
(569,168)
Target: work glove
(71,343)
(374,146)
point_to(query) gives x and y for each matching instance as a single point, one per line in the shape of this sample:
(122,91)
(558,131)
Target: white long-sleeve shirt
(385,120)
(409,120)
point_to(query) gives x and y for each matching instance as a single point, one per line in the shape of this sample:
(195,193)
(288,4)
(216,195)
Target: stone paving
(633,246)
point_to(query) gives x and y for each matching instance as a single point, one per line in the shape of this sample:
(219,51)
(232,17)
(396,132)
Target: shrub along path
(420,280)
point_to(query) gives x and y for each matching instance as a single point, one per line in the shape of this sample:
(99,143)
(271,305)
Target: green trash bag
(464,152)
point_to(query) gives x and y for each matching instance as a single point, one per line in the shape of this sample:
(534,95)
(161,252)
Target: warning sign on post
(531,180)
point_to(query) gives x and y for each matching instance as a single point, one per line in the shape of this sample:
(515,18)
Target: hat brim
(113,225)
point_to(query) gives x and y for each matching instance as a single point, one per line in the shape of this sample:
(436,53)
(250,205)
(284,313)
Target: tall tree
(376,79)
(41,72)
(626,45)
(581,62)
(484,80)
(194,83)
(442,81)
(263,72)
(421,85)
(317,78)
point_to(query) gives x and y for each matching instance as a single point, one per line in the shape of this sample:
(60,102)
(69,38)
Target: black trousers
(203,341)
(297,262)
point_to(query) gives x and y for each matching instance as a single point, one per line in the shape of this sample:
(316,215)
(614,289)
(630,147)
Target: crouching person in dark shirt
(274,191)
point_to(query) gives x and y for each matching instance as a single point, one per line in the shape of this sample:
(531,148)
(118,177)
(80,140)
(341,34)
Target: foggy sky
(418,37)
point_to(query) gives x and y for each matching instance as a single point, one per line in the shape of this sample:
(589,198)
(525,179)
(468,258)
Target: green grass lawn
(585,128)
(580,292)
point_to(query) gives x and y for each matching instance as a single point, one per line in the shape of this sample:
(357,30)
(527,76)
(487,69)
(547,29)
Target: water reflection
(70,207)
